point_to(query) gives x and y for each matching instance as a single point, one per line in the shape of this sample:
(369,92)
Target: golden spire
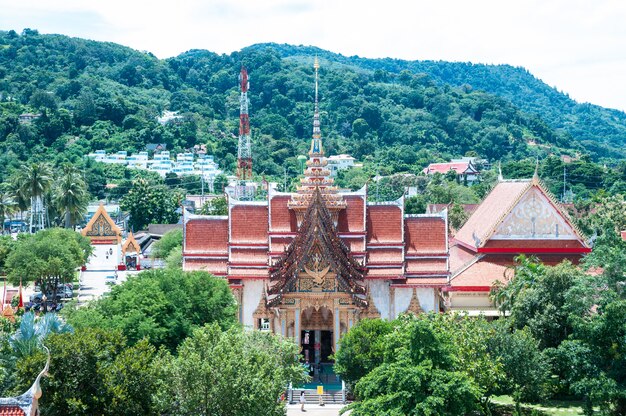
(316,143)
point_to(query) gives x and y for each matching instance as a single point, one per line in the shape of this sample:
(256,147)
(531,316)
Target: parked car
(37,297)
(111,279)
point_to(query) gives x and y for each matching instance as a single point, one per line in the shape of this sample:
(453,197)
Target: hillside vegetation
(396,115)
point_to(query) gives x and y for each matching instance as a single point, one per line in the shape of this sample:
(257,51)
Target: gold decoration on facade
(130,245)
(414,307)
(263,312)
(371,312)
(101,228)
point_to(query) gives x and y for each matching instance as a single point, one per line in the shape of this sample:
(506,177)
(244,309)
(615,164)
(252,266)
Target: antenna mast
(244,151)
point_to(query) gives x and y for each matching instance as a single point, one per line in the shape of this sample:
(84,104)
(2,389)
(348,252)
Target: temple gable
(534,217)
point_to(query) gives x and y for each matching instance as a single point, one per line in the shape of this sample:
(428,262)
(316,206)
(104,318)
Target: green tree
(33,331)
(216,206)
(163,306)
(48,257)
(34,181)
(547,305)
(199,379)
(7,207)
(527,369)
(93,373)
(457,216)
(361,349)
(419,375)
(6,246)
(70,195)
(170,240)
(150,204)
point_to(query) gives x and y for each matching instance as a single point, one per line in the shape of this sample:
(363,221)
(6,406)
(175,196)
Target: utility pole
(564,176)
(285,180)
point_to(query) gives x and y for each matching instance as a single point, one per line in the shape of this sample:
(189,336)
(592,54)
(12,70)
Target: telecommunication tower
(244,151)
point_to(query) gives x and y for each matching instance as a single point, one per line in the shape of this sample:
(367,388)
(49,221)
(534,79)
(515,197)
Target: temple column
(336,329)
(296,328)
(283,323)
(316,345)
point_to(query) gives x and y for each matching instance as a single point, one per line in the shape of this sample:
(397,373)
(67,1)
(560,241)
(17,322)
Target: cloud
(575,45)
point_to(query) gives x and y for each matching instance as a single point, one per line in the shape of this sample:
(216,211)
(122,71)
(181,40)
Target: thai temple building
(516,217)
(26,404)
(310,264)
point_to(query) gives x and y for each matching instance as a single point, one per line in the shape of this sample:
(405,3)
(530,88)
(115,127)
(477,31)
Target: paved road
(101,264)
(315,410)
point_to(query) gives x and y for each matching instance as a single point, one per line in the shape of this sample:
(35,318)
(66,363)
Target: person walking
(302,401)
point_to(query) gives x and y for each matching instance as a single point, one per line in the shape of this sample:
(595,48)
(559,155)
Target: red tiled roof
(425,235)
(246,255)
(351,219)
(355,244)
(248,224)
(459,256)
(283,219)
(384,224)
(483,273)
(216,266)
(278,244)
(443,168)
(206,235)
(384,255)
(623,235)
(11,411)
(439,281)
(426,266)
(384,272)
(247,273)
(534,244)
(491,211)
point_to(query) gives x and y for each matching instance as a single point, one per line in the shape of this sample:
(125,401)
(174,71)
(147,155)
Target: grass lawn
(549,407)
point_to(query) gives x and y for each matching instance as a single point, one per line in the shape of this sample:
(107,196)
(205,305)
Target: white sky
(578,46)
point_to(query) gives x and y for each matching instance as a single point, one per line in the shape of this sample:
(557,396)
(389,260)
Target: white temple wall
(379,290)
(252,292)
(426,296)
(402,298)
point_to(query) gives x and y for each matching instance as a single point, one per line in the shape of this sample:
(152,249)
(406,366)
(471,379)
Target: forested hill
(98,95)
(590,124)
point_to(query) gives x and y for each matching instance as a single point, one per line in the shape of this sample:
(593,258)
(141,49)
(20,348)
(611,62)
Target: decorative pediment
(131,245)
(317,258)
(534,217)
(102,227)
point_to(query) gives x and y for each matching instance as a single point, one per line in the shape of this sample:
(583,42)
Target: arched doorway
(316,336)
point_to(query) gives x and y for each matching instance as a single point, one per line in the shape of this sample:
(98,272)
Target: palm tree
(32,332)
(70,195)
(7,206)
(34,180)
(17,194)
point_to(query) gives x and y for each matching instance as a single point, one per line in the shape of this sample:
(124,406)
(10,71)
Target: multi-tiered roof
(316,175)
(317,238)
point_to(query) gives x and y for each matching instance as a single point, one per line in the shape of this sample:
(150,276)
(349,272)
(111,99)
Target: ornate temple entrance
(316,336)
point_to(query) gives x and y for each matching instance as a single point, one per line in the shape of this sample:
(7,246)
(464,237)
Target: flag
(20,303)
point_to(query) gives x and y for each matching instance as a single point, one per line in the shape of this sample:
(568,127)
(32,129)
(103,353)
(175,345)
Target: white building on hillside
(341,162)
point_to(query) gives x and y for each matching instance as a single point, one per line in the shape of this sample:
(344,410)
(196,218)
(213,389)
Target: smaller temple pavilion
(101,229)
(516,217)
(106,236)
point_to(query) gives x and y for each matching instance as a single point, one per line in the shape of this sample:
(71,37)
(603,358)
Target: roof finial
(500,177)
(536,174)
(316,143)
